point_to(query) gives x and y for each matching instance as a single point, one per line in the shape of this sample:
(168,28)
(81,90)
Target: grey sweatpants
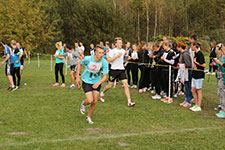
(221,92)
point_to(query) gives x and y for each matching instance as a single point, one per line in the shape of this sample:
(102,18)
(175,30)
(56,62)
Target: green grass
(50,116)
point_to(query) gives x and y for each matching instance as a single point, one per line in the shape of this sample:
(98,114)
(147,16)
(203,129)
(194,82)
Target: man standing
(197,76)
(9,64)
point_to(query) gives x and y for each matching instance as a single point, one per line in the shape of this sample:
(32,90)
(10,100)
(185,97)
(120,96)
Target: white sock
(102,94)
(72,85)
(129,100)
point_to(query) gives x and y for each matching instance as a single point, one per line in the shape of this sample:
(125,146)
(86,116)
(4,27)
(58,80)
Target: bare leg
(94,103)
(72,76)
(195,96)
(21,70)
(10,78)
(199,91)
(108,86)
(126,89)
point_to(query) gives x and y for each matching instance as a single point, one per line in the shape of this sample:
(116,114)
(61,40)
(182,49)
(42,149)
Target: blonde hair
(58,45)
(219,53)
(13,42)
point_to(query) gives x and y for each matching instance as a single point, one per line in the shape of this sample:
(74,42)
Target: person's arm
(96,85)
(20,56)
(7,57)
(78,74)
(114,58)
(25,52)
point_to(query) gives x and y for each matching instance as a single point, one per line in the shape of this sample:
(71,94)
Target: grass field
(41,117)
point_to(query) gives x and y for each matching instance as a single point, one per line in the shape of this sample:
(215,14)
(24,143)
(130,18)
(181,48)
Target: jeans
(187,85)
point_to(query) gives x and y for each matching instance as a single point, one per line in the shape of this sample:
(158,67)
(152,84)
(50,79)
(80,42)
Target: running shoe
(89,120)
(82,108)
(131,103)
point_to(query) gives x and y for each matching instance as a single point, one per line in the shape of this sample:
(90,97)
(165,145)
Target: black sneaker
(9,88)
(218,108)
(13,89)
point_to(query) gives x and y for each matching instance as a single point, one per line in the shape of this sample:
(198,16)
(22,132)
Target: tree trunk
(147,14)
(156,20)
(138,25)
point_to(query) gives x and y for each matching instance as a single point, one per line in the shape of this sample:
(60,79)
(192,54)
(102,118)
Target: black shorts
(88,87)
(117,74)
(9,69)
(73,68)
(22,61)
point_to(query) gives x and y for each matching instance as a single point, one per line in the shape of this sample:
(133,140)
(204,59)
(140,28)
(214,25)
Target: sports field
(41,117)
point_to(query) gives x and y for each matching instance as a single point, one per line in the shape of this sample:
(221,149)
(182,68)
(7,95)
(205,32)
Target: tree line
(38,24)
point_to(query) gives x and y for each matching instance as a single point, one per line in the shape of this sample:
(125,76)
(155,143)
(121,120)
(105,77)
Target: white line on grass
(105,136)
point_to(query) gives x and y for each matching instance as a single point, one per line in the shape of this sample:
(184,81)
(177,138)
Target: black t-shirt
(135,54)
(201,60)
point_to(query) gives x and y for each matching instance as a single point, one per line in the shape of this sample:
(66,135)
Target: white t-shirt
(81,48)
(117,64)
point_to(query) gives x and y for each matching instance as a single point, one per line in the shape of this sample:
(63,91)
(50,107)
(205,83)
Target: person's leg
(18,76)
(195,96)
(157,75)
(199,99)
(126,88)
(147,77)
(61,72)
(166,81)
(95,95)
(107,87)
(135,74)
(128,69)
(141,81)
(21,70)
(14,76)
(56,73)
(72,73)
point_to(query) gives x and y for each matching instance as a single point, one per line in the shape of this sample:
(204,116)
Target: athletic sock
(129,100)
(102,94)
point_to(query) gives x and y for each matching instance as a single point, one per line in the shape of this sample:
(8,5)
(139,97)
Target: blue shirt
(104,52)
(59,52)
(7,51)
(16,58)
(92,72)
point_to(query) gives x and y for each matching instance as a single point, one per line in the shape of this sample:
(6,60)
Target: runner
(92,80)
(117,71)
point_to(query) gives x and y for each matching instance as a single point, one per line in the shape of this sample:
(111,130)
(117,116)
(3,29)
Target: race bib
(94,67)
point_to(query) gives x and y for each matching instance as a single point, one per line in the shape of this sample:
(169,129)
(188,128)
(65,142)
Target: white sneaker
(102,99)
(198,108)
(134,86)
(72,86)
(131,103)
(213,73)
(175,95)
(89,120)
(156,97)
(82,108)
